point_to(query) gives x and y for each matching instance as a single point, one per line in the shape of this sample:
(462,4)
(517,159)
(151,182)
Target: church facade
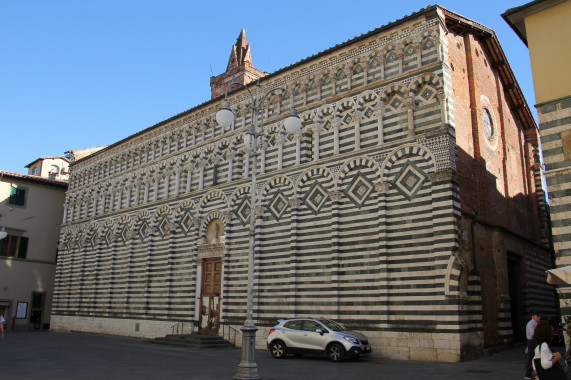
(409,207)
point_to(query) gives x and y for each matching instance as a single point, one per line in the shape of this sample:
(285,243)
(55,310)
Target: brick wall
(497,190)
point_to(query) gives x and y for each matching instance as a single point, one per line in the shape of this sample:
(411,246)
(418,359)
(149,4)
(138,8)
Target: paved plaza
(50,355)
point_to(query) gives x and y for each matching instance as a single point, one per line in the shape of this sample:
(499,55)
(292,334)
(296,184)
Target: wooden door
(209,319)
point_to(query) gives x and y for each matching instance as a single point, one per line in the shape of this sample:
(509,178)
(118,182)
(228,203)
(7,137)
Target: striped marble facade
(555,127)
(357,216)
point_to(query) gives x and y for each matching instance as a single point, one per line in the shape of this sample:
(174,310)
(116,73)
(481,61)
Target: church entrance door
(209,319)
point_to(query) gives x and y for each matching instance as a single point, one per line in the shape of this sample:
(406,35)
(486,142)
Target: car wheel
(336,352)
(278,350)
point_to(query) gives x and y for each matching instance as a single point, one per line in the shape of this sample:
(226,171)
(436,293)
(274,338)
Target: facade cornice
(329,58)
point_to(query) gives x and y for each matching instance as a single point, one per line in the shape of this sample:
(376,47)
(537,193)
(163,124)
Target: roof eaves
(516,99)
(515,17)
(363,36)
(33,162)
(63,158)
(34,178)
(511,19)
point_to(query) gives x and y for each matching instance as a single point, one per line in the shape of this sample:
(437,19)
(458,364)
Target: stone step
(195,341)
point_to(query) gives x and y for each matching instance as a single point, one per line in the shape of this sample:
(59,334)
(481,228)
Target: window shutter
(23,247)
(13,194)
(17,196)
(21,197)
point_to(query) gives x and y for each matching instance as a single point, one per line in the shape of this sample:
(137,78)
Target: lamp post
(247,368)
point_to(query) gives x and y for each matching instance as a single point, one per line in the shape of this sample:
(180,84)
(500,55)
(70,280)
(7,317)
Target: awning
(559,276)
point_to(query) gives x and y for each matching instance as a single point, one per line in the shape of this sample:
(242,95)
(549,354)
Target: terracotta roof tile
(33,178)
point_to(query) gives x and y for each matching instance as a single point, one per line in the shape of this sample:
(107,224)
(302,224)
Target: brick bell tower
(240,68)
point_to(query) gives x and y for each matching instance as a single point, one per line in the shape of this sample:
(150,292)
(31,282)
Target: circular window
(488,123)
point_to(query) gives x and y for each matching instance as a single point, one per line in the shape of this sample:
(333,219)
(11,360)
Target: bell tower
(240,68)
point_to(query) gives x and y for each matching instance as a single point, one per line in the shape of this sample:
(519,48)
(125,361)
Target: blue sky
(78,74)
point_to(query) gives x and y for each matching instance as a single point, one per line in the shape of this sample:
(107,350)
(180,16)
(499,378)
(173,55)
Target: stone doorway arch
(210,254)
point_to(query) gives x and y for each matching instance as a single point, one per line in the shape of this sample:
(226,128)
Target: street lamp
(248,369)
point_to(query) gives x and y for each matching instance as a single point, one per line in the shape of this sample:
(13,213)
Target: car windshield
(332,325)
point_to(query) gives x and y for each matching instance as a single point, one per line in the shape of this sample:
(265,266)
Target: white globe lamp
(292,123)
(225,116)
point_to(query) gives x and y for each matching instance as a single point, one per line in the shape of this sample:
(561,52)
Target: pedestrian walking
(529,330)
(546,362)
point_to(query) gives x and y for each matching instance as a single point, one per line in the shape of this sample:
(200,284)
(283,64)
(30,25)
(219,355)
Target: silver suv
(316,335)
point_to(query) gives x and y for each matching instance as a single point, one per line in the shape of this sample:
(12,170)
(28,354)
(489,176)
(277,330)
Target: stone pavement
(51,355)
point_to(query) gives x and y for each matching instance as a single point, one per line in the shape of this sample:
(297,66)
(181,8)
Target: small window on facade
(488,123)
(35,171)
(54,169)
(14,246)
(17,196)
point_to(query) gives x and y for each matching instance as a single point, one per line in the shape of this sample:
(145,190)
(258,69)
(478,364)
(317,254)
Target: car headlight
(351,339)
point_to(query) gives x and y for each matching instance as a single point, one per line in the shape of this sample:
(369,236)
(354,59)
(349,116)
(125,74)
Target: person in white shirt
(529,330)
(541,339)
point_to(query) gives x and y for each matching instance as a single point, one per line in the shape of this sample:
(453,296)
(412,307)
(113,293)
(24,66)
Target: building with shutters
(409,208)
(31,211)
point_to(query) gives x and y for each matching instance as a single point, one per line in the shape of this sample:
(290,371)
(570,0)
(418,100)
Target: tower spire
(240,56)
(240,67)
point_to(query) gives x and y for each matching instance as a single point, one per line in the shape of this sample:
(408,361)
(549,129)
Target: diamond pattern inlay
(143,230)
(316,198)
(164,227)
(409,180)
(369,112)
(427,94)
(396,103)
(92,239)
(347,119)
(125,234)
(278,205)
(186,222)
(359,190)
(109,237)
(244,211)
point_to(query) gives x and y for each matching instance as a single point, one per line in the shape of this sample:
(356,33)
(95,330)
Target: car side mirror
(319,331)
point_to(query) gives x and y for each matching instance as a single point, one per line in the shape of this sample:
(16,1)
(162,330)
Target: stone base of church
(139,328)
(402,345)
